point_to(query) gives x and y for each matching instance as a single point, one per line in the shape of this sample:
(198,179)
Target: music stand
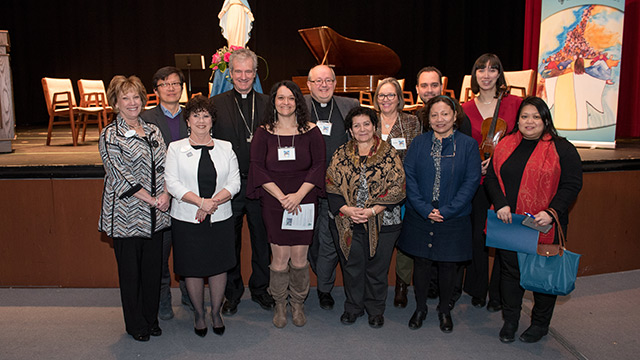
(188,62)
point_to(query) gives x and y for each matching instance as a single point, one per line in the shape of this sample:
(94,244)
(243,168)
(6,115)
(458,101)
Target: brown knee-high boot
(298,291)
(278,283)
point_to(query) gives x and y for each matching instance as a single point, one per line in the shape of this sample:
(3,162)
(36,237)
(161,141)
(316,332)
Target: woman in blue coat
(442,168)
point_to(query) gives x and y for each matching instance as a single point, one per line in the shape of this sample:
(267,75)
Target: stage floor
(32,158)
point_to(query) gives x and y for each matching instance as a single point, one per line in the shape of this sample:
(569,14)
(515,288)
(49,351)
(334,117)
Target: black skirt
(204,249)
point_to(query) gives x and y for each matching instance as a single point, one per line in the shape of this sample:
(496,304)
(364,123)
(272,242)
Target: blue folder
(514,236)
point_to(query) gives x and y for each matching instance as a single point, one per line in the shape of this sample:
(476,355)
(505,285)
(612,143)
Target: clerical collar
(322,105)
(243,96)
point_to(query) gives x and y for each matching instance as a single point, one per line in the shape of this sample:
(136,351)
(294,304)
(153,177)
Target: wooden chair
(152,101)
(465,90)
(61,103)
(523,81)
(445,91)
(93,95)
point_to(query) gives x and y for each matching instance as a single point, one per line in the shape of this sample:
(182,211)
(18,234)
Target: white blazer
(181,176)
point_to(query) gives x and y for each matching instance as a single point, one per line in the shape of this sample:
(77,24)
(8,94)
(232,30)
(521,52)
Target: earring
(211,131)
(189,131)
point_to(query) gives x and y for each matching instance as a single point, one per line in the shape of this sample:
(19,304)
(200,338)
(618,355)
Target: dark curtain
(80,39)
(628,123)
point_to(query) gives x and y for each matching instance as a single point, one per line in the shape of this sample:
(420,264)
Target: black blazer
(229,125)
(156,116)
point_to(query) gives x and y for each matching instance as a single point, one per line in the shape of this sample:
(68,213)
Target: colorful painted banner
(579,67)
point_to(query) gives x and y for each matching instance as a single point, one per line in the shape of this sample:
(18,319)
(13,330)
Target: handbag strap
(561,237)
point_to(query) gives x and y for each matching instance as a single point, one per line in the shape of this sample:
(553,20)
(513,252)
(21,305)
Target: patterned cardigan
(131,163)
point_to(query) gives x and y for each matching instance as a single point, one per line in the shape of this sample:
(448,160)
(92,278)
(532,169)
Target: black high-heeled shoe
(201,332)
(217,330)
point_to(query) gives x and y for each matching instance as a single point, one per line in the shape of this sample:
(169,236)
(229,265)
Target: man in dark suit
(167,116)
(328,112)
(238,113)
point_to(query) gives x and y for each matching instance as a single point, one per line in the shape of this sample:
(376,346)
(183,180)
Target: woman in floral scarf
(365,183)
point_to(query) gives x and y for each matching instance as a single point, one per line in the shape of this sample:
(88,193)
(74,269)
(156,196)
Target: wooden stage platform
(51,198)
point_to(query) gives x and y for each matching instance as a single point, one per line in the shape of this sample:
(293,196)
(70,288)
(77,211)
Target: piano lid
(348,56)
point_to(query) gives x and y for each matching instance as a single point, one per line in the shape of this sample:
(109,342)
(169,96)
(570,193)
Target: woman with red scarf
(532,169)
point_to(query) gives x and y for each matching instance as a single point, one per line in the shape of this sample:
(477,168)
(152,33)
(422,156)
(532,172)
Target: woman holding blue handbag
(532,170)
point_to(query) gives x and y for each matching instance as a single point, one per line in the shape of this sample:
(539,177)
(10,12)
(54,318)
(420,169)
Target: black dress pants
(366,278)
(139,273)
(476,282)
(260,249)
(422,273)
(512,294)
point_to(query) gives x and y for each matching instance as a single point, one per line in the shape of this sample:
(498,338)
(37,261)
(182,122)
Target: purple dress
(289,175)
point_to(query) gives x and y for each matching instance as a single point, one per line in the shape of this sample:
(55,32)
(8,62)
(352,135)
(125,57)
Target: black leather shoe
(477,302)
(264,300)
(416,320)
(446,324)
(533,334)
(230,307)
(452,304)
(219,330)
(494,306)
(508,332)
(400,299)
(141,337)
(376,321)
(155,331)
(326,300)
(200,332)
(349,318)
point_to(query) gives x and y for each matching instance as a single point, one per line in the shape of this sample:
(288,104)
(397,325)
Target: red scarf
(540,178)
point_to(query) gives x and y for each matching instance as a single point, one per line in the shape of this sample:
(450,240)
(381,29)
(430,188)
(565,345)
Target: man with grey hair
(239,112)
(328,112)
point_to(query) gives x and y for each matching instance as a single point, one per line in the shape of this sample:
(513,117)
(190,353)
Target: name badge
(286,153)
(325,127)
(130,133)
(399,143)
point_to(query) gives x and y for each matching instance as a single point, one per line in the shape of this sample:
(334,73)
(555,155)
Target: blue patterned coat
(131,163)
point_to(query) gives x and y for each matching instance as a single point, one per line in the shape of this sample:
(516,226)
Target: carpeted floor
(597,321)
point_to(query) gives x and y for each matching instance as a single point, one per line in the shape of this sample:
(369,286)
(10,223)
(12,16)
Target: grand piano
(358,64)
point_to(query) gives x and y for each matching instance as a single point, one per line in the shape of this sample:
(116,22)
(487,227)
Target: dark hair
(302,113)
(120,85)
(197,104)
(163,74)
(545,115)
(429,69)
(453,104)
(494,63)
(360,110)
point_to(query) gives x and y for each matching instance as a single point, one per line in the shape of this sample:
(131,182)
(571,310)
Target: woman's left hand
(163,202)
(484,165)
(543,218)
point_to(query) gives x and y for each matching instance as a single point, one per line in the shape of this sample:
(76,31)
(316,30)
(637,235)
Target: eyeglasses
(387,96)
(166,85)
(319,82)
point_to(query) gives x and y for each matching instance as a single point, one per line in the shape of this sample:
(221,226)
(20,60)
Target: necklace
(486,103)
(316,111)
(386,124)
(253,112)
(193,142)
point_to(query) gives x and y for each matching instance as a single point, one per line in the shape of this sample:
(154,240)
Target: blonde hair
(120,85)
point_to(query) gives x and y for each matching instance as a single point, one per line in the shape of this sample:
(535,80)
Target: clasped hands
(162,202)
(291,202)
(357,215)
(436,216)
(208,207)
(542,218)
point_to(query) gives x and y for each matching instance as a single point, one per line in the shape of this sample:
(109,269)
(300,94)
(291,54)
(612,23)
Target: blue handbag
(554,275)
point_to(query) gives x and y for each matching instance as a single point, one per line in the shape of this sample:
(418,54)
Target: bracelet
(373,211)
(201,203)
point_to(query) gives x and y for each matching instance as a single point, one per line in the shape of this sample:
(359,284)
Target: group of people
(324,181)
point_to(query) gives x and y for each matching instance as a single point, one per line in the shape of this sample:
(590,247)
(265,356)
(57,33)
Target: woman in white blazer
(202,176)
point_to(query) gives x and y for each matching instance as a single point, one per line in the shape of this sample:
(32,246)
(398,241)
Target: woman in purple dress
(287,172)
